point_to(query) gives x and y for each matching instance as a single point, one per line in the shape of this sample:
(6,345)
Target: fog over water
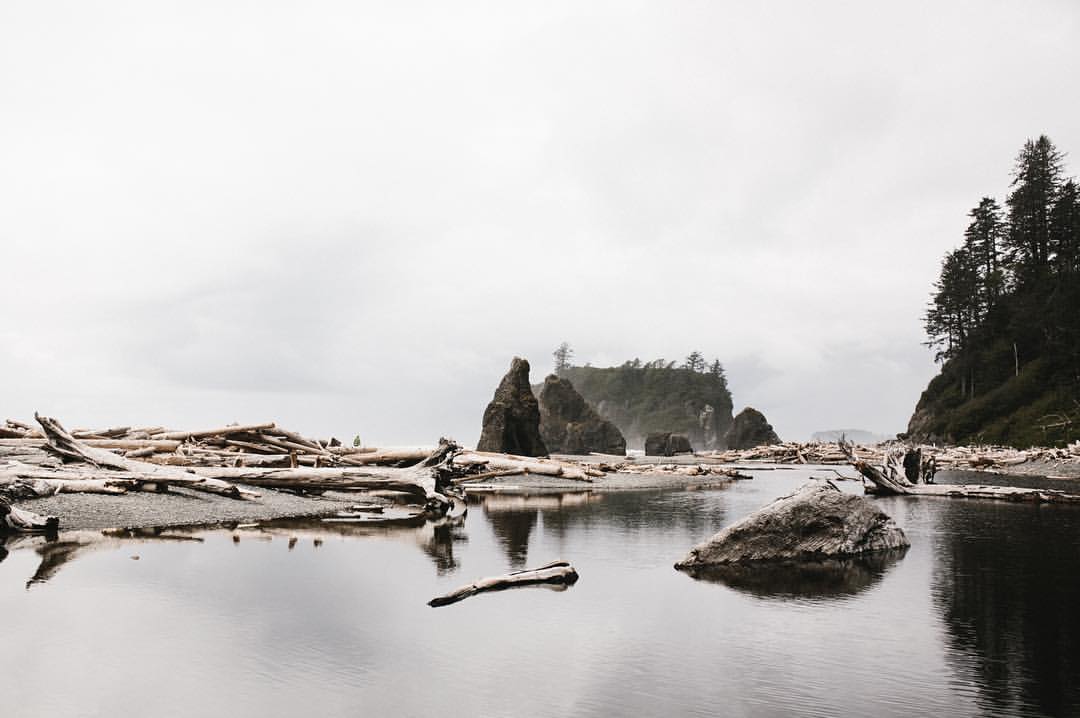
(349,217)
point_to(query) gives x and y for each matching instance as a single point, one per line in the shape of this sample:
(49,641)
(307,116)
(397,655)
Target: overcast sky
(348,217)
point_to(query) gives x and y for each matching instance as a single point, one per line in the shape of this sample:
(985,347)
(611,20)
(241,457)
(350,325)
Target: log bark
(556,572)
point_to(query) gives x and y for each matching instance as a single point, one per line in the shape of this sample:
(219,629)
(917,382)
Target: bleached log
(220,431)
(66,445)
(48,485)
(508,463)
(126,444)
(16,520)
(296,438)
(389,456)
(556,572)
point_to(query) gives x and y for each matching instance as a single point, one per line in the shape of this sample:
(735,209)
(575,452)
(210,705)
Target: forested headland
(1004,316)
(690,397)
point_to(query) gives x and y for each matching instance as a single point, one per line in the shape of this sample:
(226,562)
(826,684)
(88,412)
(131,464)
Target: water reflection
(436,538)
(512,529)
(829,578)
(1007,584)
(514,516)
(59,550)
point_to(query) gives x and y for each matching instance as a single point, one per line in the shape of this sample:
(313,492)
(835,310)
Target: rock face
(512,419)
(642,399)
(568,425)
(667,444)
(817,521)
(750,429)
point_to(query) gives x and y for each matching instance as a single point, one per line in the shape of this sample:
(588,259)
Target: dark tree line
(1016,277)
(695,362)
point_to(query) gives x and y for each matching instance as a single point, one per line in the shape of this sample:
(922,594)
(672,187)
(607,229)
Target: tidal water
(981,616)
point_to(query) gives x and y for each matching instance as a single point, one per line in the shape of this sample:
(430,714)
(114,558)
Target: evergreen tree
(983,240)
(1036,184)
(562,355)
(695,362)
(1065,230)
(955,307)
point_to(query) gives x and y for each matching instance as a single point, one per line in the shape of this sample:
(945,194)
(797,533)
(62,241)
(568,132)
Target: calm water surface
(980,617)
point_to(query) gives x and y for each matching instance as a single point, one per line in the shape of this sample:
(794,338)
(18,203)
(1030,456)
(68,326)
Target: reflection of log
(66,445)
(13,519)
(557,572)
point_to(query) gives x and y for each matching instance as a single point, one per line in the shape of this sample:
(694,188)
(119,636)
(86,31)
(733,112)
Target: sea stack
(568,425)
(665,443)
(750,429)
(512,419)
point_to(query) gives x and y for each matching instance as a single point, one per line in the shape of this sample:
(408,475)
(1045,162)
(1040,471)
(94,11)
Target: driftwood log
(64,444)
(556,572)
(16,520)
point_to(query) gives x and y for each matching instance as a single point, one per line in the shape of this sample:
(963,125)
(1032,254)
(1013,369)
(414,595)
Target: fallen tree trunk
(220,431)
(64,444)
(16,520)
(893,482)
(126,444)
(556,572)
(525,465)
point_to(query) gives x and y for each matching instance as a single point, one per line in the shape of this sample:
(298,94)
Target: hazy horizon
(347,218)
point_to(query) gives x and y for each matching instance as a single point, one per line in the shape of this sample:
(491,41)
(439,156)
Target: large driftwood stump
(892,480)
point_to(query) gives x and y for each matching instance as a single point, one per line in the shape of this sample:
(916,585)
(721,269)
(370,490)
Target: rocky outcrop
(646,399)
(512,419)
(568,425)
(750,429)
(665,443)
(818,521)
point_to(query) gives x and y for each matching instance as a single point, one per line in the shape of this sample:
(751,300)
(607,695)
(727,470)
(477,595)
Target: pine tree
(1065,230)
(695,362)
(1036,183)
(983,240)
(562,355)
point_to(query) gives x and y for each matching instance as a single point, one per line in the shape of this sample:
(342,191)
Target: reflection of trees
(513,516)
(828,578)
(512,529)
(1007,581)
(632,511)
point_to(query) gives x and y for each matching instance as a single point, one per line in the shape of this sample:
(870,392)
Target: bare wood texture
(556,572)
(66,445)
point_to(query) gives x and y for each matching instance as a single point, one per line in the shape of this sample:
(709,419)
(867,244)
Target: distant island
(1004,317)
(857,436)
(691,397)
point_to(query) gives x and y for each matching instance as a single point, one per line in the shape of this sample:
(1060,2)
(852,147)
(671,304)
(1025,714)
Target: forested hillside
(1004,318)
(643,397)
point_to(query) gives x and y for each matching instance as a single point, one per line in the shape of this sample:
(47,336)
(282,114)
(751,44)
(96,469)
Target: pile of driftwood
(898,475)
(987,458)
(237,461)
